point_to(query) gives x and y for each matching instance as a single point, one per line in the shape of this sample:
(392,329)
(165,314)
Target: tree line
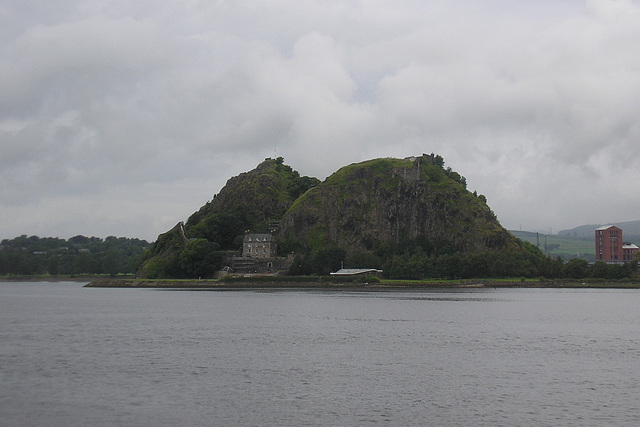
(418,264)
(75,256)
(119,255)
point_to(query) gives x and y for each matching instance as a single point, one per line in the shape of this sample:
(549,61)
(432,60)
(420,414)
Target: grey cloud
(74,63)
(117,99)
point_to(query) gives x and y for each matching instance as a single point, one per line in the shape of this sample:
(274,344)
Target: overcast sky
(124,117)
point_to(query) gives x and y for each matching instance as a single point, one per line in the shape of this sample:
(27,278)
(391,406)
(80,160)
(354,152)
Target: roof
(355,271)
(259,238)
(604,227)
(629,246)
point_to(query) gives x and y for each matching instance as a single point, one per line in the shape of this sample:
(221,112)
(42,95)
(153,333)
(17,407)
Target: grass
(315,282)
(378,166)
(564,246)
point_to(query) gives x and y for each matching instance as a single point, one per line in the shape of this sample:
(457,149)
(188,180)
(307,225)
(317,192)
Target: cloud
(106,103)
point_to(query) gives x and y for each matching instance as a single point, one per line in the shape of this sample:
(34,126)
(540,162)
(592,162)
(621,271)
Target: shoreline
(249,284)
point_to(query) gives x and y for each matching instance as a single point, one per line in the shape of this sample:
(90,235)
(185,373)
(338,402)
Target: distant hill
(577,242)
(630,230)
(565,246)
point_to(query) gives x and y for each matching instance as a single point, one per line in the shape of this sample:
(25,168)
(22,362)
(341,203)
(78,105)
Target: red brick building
(629,251)
(611,248)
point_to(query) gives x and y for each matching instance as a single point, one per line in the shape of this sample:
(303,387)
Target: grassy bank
(309,282)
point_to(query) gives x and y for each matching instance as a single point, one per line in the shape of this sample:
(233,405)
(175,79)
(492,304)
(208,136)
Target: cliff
(391,203)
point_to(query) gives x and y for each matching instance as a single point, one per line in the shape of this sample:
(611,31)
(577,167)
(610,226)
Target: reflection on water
(86,356)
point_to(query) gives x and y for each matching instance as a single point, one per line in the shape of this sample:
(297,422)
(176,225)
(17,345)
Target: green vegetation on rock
(388,207)
(248,202)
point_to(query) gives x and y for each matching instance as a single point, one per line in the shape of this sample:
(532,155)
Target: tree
(600,270)
(82,264)
(449,266)
(576,268)
(550,268)
(326,260)
(299,185)
(53,266)
(111,263)
(363,259)
(200,258)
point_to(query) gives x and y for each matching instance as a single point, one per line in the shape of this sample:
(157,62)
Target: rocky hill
(378,213)
(392,203)
(250,201)
(630,230)
(253,199)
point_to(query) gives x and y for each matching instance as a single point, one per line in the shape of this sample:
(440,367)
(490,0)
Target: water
(85,356)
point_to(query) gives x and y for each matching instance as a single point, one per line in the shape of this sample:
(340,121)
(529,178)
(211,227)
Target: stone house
(259,256)
(259,246)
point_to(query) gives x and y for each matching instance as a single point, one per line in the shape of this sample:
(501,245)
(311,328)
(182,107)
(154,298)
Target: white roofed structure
(346,272)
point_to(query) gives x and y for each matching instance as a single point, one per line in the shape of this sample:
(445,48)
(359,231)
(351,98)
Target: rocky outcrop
(389,202)
(384,206)
(252,201)
(256,198)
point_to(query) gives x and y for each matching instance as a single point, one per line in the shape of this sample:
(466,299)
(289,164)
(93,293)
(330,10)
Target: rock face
(262,194)
(390,202)
(250,201)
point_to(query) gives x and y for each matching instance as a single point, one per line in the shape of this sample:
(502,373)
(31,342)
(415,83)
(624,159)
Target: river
(139,357)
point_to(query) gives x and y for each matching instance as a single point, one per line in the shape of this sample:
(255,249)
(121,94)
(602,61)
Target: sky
(121,118)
